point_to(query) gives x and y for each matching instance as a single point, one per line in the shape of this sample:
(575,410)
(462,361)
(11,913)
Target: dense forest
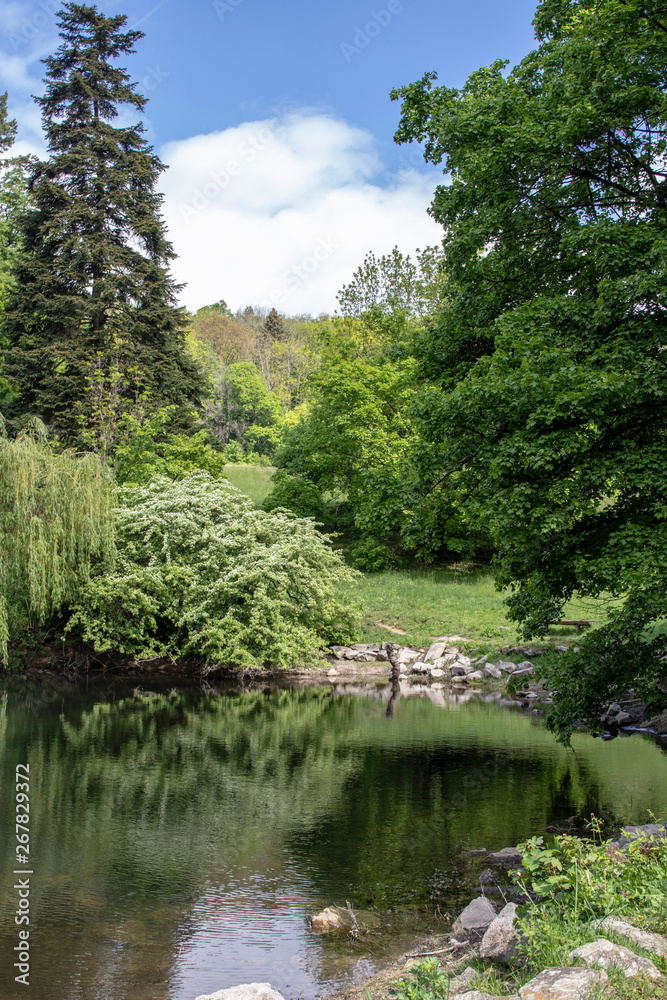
(500,396)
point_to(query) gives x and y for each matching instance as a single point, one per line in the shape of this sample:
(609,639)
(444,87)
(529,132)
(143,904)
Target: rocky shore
(486,932)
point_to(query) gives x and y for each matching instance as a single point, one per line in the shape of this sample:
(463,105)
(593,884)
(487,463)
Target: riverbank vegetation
(495,400)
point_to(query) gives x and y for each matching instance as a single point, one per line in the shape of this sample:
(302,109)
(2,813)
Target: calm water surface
(180,841)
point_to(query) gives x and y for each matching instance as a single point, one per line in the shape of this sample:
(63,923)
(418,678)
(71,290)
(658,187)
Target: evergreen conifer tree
(93,280)
(274,326)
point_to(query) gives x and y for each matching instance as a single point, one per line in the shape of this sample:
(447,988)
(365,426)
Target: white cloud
(282,212)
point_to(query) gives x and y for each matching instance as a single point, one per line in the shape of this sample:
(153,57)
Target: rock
(333,672)
(477,995)
(508,856)
(434,651)
(340,651)
(366,647)
(458,670)
(563,984)
(603,954)
(463,661)
(350,654)
(420,668)
(435,672)
(491,670)
(525,664)
(480,663)
(476,675)
(506,666)
(333,918)
(407,655)
(613,709)
(623,718)
(463,979)
(501,937)
(645,939)
(476,917)
(248,991)
(523,671)
(561,649)
(650,831)
(659,723)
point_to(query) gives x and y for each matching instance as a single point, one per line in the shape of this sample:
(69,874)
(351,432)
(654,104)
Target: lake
(181,839)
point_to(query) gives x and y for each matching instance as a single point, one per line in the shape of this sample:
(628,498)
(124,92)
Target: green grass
(456,601)
(253,480)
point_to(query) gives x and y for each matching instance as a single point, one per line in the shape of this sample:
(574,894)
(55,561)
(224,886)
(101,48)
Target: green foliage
(93,275)
(150,453)
(55,520)
(243,404)
(548,420)
(580,880)
(371,556)
(296,494)
(198,572)
(429,982)
(395,284)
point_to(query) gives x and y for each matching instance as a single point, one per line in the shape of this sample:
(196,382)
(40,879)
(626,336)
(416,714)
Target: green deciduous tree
(93,276)
(548,419)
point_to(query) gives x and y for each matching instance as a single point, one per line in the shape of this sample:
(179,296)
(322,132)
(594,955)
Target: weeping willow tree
(55,519)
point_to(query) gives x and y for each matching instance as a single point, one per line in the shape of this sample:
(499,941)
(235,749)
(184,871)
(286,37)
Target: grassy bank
(253,480)
(461,600)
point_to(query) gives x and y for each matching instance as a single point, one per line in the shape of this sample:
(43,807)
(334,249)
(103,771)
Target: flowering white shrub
(198,572)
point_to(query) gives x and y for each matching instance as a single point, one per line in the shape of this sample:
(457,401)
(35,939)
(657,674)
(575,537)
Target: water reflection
(182,840)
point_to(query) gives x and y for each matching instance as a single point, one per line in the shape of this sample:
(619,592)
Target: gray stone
(481,661)
(407,655)
(645,939)
(623,718)
(436,672)
(508,855)
(491,670)
(420,668)
(463,661)
(476,917)
(333,672)
(563,984)
(340,651)
(613,709)
(649,831)
(501,937)
(434,651)
(476,675)
(248,991)
(333,918)
(523,672)
(366,647)
(561,649)
(525,664)
(478,995)
(463,980)
(602,954)
(458,670)
(659,723)
(506,666)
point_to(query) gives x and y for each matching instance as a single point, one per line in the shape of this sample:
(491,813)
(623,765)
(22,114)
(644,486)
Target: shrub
(371,556)
(296,494)
(198,571)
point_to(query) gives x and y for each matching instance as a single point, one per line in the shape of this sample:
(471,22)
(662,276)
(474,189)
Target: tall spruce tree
(93,280)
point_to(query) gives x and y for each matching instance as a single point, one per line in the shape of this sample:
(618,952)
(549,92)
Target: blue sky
(276,122)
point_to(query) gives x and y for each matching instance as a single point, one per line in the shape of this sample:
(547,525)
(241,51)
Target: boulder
(506,666)
(491,670)
(340,651)
(420,668)
(478,995)
(647,940)
(500,939)
(524,664)
(463,661)
(333,918)
(563,984)
(523,671)
(436,672)
(659,723)
(434,651)
(407,655)
(602,954)
(476,675)
(481,661)
(508,856)
(463,980)
(476,917)
(366,647)
(458,670)
(650,831)
(561,649)
(248,991)
(333,672)
(623,718)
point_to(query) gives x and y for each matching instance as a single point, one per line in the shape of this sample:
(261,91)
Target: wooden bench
(578,623)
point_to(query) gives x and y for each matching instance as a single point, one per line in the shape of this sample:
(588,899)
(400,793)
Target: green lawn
(253,480)
(457,601)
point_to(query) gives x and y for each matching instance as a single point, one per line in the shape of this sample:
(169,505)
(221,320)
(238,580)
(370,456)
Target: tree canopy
(547,406)
(93,275)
